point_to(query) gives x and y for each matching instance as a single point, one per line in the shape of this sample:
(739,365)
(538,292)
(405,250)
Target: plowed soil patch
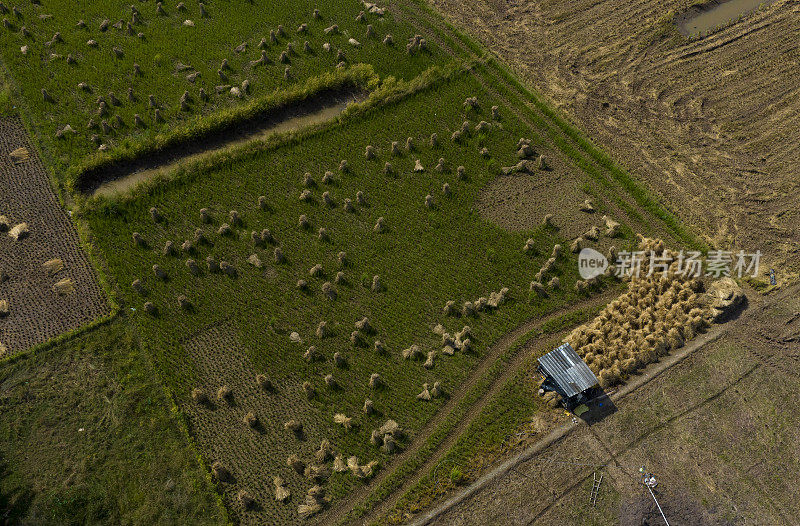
(37,312)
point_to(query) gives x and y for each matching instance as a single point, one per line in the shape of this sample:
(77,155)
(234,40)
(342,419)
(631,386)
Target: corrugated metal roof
(568,370)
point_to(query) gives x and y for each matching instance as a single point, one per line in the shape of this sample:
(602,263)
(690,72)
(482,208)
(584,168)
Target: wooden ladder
(595,488)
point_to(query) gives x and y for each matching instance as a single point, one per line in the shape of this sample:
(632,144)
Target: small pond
(702,20)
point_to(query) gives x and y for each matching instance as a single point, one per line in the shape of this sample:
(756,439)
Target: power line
(649,482)
(658,505)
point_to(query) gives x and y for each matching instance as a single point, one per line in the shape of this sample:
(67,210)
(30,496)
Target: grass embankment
(579,147)
(359,77)
(381,92)
(424,258)
(86,438)
(168,52)
(6,106)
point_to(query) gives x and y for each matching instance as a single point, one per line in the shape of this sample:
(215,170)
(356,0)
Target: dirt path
(338,512)
(748,322)
(476,409)
(564,431)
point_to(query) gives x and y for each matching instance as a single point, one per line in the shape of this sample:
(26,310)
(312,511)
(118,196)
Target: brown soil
(678,506)
(773,336)
(37,312)
(710,124)
(258,126)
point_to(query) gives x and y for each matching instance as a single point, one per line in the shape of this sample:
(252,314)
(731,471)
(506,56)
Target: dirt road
(702,406)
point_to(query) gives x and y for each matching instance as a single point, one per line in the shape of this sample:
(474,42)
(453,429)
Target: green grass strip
(6,107)
(358,76)
(389,91)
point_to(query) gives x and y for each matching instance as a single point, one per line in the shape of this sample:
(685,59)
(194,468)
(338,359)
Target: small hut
(567,374)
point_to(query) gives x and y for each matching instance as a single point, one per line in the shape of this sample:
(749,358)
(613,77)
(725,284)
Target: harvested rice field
(330,243)
(707,122)
(327,268)
(100,78)
(46,280)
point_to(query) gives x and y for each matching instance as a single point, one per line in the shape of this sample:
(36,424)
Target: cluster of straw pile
(657,314)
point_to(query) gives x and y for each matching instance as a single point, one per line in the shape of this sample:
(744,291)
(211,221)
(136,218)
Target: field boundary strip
(380,97)
(359,76)
(183,420)
(61,338)
(184,425)
(641,195)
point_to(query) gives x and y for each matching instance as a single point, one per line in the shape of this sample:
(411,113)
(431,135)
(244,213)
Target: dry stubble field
(37,312)
(710,124)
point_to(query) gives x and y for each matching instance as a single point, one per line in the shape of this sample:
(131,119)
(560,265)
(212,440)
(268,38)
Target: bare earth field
(711,124)
(724,452)
(37,312)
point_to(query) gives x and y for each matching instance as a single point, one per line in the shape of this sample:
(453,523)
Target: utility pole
(657,505)
(649,481)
